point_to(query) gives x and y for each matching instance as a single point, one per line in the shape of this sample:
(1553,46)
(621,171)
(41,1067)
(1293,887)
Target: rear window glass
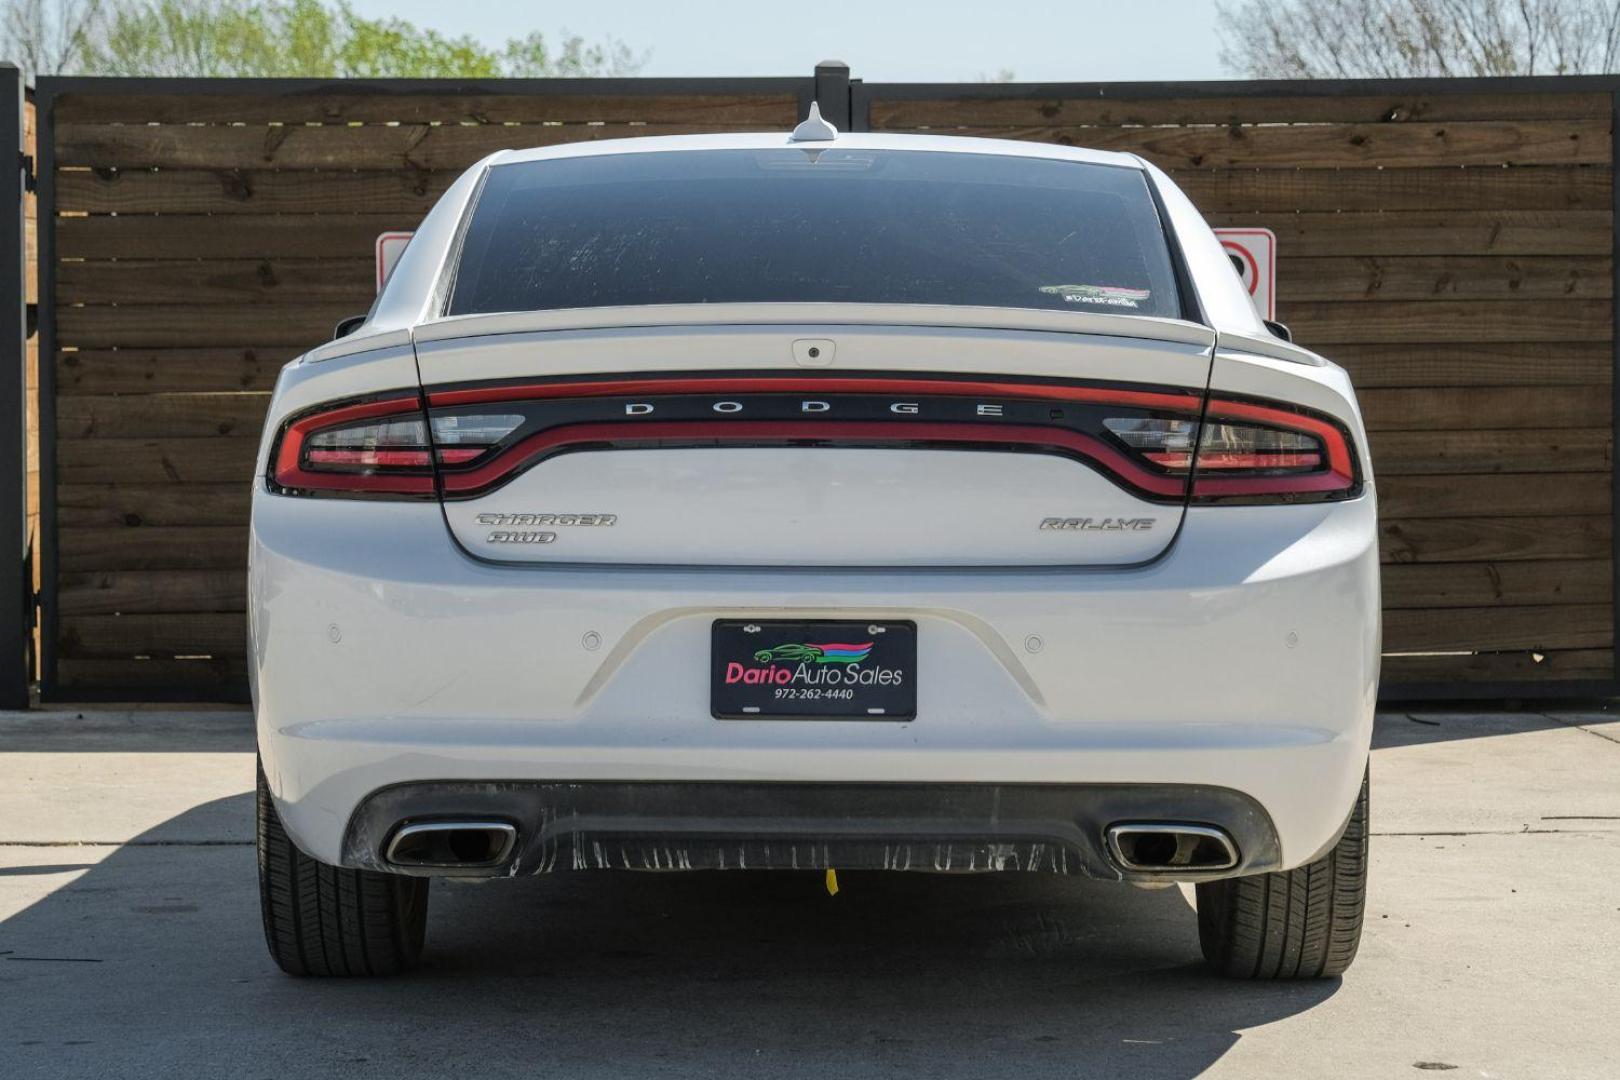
(794,225)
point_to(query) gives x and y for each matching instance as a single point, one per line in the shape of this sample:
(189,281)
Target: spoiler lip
(1146,327)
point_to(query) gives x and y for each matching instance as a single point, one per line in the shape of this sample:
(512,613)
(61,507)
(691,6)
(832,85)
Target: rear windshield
(793,225)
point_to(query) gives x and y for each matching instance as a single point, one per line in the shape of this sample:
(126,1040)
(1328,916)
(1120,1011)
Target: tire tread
(328,921)
(1303,923)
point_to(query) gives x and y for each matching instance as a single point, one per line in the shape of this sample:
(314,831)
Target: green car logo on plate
(831,653)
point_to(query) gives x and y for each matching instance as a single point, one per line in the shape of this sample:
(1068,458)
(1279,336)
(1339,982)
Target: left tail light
(370,447)
(380,447)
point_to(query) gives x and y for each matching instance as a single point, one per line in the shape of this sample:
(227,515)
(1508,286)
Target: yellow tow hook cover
(832,882)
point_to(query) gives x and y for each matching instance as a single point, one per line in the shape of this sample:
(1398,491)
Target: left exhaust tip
(451,845)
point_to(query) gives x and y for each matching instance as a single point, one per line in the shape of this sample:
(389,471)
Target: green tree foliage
(1346,39)
(280,38)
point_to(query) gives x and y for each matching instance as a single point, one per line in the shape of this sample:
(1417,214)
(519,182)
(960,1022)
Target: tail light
(462,443)
(379,447)
(1246,451)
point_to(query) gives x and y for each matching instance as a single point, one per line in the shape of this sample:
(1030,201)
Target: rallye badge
(1107,524)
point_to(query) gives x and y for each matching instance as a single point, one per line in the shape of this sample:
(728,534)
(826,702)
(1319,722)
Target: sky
(887,40)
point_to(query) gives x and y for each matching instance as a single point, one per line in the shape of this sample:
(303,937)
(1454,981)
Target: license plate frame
(828,673)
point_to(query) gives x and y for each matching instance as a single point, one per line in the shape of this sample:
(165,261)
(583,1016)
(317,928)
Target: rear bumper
(946,828)
(1245,660)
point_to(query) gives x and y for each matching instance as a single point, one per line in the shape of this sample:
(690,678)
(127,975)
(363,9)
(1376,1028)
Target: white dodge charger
(814,501)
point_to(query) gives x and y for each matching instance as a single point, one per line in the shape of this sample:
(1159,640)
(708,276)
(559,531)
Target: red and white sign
(390,246)
(1254,255)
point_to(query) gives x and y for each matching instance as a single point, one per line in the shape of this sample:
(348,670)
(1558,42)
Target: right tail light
(1246,451)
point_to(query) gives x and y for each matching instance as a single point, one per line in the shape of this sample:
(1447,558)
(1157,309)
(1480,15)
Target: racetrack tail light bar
(465,442)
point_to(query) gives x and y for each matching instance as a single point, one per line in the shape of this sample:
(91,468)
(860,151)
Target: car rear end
(915,505)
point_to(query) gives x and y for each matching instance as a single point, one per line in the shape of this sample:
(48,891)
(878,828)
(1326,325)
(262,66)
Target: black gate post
(15,579)
(832,93)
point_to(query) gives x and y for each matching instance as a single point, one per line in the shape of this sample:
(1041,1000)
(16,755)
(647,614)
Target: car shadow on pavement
(152,963)
(1419,725)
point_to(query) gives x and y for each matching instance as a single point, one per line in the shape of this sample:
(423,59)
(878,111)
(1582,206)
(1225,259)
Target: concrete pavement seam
(1580,727)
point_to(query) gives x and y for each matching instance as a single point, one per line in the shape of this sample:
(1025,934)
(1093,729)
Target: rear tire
(324,920)
(1293,924)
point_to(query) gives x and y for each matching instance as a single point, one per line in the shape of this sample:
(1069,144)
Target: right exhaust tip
(451,845)
(1169,847)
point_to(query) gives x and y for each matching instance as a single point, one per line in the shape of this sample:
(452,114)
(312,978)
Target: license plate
(775,670)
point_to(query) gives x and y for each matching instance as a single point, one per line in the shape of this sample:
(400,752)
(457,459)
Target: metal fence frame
(844,101)
(16,580)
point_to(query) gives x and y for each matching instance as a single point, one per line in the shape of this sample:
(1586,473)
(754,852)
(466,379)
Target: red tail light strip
(288,470)
(1340,474)
(1187,401)
(769,433)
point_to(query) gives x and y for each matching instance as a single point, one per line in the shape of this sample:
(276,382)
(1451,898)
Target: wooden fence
(1451,243)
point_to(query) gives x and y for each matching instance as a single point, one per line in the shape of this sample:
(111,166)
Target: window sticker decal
(1101,295)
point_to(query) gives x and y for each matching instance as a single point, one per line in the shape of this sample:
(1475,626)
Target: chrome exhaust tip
(451,845)
(1170,847)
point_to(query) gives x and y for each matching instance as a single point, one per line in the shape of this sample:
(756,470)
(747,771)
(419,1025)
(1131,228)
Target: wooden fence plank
(184,547)
(410,194)
(1506,495)
(301,326)
(185,236)
(1332,146)
(1477,364)
(343,104)
(1404,453)
(145,371)
(421,146)
(158,636)
(208,416)
(1287,191)
(1476,539)
(104,505)
(1418,321)
(1485,584)
(413,192)
(1524,665)
(428,147)
(112,592)
(1124,110)
(1434,232)
(156,460)
(1559,626)
(1443,277)
(1484,407)
(232,281)
(218,678)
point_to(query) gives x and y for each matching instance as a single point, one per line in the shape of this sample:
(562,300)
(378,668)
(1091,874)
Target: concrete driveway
(130,943)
